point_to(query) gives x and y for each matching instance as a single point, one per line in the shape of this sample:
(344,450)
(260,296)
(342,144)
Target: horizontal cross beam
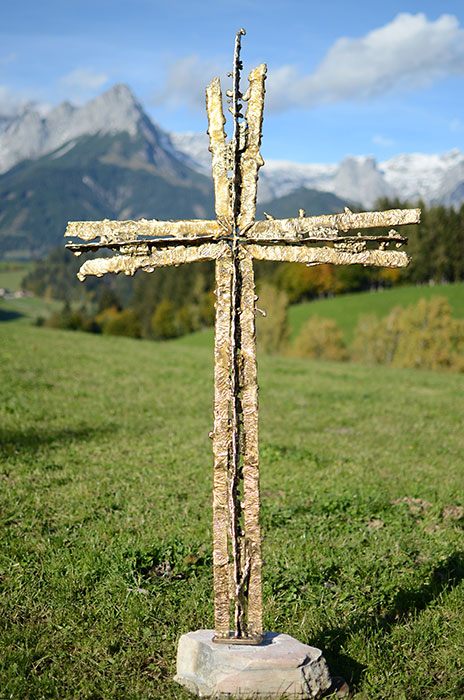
(315,256)
(174,256)
(298,228)
(129,264)
(288,230)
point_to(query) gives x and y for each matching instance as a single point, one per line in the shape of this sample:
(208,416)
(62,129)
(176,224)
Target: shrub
(187,319)
(300,281)
(423,335)
(163,321)
(71,320)
(121,323)
(320,338)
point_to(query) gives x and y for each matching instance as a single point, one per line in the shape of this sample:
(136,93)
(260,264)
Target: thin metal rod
(234,471)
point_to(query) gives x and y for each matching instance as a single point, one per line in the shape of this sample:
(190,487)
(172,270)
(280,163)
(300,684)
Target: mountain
(312,201)
(31,135)
(108,159)
(436,179)
(104,160)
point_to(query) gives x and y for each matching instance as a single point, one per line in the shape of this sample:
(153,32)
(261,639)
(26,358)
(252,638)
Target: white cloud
(10,102)
(186,82)
(409,52)
(13,102)
(382,141)
(84,79)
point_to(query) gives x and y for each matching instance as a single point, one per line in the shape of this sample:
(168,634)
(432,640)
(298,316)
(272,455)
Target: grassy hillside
(27,309)
(12,274)
(347,309)
(105,555)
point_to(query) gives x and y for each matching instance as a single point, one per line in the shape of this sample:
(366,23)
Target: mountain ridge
(436,179)
(108,159)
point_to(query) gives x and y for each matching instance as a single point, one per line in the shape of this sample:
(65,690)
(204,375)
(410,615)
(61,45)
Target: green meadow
(105,516)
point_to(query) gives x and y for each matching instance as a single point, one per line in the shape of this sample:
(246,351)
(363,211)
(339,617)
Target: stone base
(280,666)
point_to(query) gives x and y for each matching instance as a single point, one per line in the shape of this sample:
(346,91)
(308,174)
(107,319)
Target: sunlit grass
(105,516)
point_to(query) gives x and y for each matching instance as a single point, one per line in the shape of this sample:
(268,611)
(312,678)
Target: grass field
(26,309)
(105,555)
(12,274)
(347,309)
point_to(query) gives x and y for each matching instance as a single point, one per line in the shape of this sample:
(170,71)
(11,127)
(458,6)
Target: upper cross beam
(108,233)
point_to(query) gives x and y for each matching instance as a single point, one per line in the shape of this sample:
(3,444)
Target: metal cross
(233,240)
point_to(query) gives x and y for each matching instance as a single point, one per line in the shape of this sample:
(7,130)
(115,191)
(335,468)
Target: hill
(312,201)
(347,308)
(105,516)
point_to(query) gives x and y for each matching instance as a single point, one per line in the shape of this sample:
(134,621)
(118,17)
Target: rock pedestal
(280,666)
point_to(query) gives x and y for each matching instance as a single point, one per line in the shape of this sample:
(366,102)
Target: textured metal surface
(107,231)
(222,446)
(250,158)
(234,240)
(251,561)
(294,229)
(301,254)
(129,264)
(219,152)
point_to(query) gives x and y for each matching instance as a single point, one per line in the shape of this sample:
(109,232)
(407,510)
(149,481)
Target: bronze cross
(233,240)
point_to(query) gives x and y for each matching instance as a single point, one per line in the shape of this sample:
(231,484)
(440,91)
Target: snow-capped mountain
(432,178)
(103,160)
(359,179)
(31,135)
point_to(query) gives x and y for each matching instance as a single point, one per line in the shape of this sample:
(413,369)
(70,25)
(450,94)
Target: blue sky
(344,77)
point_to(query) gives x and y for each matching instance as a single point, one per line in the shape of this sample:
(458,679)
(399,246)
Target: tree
(320,338)
(272,329)
(163,320)
(424,335)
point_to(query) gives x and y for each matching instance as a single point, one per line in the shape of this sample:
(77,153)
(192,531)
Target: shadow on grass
(6,315)
(28,441)
(405,605)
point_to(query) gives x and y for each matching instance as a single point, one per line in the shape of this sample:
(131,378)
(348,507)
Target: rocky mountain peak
(30,134)
(113,111)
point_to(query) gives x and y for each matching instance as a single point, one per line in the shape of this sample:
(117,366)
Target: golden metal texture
(233,240)
(251,564)
(311,256)
(219,151)
(295,229)
(251,159)
(129,264)
(222,446)
(107,231)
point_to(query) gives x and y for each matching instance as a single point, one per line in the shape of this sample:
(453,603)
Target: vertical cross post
(236,530)
(233,240)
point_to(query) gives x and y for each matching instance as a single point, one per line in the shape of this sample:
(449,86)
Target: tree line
(172,302)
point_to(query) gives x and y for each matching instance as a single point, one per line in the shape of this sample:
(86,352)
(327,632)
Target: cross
(233,240)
